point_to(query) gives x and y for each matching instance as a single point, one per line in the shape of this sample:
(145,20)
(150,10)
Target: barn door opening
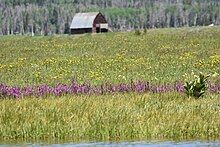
(101,28)
(98,28)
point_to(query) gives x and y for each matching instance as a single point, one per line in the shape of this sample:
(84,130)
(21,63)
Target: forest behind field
(47,17)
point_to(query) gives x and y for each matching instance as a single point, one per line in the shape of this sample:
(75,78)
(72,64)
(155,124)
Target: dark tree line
(46,17)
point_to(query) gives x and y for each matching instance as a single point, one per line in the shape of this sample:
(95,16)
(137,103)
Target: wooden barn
(93,22)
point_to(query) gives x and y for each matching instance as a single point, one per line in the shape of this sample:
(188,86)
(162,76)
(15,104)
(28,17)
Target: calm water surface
(115,144)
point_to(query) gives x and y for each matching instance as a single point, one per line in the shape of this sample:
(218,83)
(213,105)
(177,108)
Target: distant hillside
(45,17)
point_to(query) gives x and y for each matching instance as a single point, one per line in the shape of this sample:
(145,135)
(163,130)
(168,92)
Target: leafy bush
(198,87)
(137,32)
(145,31)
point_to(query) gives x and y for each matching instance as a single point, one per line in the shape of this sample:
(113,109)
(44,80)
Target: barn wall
(81,31)
(99,19)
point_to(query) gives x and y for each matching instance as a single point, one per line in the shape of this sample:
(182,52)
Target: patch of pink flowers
(86,89)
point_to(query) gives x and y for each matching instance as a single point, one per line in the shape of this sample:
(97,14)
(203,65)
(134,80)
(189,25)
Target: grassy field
(163,55)
(123,117)
(160,56)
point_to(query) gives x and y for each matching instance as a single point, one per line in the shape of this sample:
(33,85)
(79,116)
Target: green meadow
(163,55)
(160,56)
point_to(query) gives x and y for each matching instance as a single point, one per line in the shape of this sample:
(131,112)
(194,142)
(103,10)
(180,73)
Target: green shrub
(198,87)
(145,31)
(137,32)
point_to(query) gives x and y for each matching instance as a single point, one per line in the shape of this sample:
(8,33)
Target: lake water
(115,144)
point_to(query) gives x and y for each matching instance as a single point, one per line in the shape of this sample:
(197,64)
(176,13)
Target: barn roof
(83,20)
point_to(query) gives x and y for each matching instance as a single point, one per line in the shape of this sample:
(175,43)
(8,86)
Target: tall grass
(111,117)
